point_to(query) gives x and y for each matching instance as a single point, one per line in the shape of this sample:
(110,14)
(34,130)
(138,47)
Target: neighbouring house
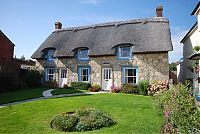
(6,51)
(108,53)
(9,65)
(7,60)
(189,67)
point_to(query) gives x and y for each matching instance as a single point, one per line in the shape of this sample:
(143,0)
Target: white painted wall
(191,41)
(198,19)
(180,73)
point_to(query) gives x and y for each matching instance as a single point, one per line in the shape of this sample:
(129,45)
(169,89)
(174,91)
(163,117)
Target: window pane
(63,73)
(130,72)
(50,77)
(134,79)
(85,71)
(50,55)
(125,51)
(84,78)
(134,72)
(109,76)
(130,79)
(83,53)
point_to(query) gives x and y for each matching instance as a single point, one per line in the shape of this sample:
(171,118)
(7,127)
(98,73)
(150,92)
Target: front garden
(131,109)
(132,113)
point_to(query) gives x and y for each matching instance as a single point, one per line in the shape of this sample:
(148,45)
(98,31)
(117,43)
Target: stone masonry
(151,66)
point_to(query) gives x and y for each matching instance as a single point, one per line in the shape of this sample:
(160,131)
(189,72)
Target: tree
(172,66)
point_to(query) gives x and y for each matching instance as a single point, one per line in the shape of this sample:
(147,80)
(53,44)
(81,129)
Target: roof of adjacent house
(5,37)
(189,32)
(146,35)
(196,9)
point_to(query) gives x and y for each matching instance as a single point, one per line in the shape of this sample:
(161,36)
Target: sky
(27,23)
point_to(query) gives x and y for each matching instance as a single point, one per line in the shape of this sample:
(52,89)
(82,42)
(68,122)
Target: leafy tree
(172,66)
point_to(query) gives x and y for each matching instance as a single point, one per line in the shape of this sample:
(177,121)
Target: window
(50,55)
(107,73)
(125,52)
(83,54)
(63,73)
(84,74)
(49,74)
(130,75)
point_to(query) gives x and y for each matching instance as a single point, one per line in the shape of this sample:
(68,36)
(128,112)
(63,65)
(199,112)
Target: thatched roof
(146,35)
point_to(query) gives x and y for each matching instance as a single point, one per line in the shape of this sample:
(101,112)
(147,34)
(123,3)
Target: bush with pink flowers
(179,110)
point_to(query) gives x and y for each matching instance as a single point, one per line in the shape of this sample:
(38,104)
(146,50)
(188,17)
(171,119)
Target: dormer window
(83,54)
(50,55)
(124,52)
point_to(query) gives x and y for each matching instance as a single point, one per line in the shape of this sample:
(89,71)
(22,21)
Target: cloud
(177,34)
(94,2)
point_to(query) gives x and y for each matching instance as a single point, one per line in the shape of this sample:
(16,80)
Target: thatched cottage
(108,53)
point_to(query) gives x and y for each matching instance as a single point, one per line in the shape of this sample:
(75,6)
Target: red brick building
(6,51)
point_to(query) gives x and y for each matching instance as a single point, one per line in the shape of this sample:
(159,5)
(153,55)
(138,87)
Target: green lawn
(21,95)
(66,91)
(133,114)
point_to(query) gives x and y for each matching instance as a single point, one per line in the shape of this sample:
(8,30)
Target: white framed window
(84,74)
(125,52)
(50,55)
(49,74)
(130,75)
(83,54)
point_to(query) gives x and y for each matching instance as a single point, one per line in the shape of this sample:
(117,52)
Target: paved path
(47,94)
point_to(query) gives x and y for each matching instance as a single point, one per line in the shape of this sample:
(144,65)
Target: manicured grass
(133,114)
(21,95)
(66,91)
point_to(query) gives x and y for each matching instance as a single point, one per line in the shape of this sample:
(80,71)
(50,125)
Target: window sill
(125,58)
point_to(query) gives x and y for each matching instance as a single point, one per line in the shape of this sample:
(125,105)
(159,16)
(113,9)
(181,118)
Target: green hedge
(80,85)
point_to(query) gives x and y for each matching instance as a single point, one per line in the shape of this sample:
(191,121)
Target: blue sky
(28,22)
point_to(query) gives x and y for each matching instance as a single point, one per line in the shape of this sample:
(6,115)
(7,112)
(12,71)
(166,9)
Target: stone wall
(151,67)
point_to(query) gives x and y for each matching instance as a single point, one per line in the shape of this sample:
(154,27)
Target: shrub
(179,110)
(142,87)
(157,87)
(95,87)
(80,85)
(91,119)
(83,119)
(64,122)
(115,89)
(129,88)
(51,84)
(33,78)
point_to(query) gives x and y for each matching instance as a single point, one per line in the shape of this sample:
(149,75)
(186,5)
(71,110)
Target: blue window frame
(84,73)
(124,52)
(83,54)
(130,75)
(49,74)
(50,55)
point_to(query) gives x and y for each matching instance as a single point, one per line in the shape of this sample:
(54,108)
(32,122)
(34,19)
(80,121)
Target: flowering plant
(114,89)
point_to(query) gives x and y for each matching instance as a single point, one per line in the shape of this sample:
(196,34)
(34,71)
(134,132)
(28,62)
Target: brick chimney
(58,25)
(159,11)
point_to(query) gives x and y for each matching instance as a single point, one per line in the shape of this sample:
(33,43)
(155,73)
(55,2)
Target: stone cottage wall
(151,67)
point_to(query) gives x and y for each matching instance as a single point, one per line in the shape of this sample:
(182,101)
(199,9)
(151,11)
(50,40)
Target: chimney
(159,11)
(58,25)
